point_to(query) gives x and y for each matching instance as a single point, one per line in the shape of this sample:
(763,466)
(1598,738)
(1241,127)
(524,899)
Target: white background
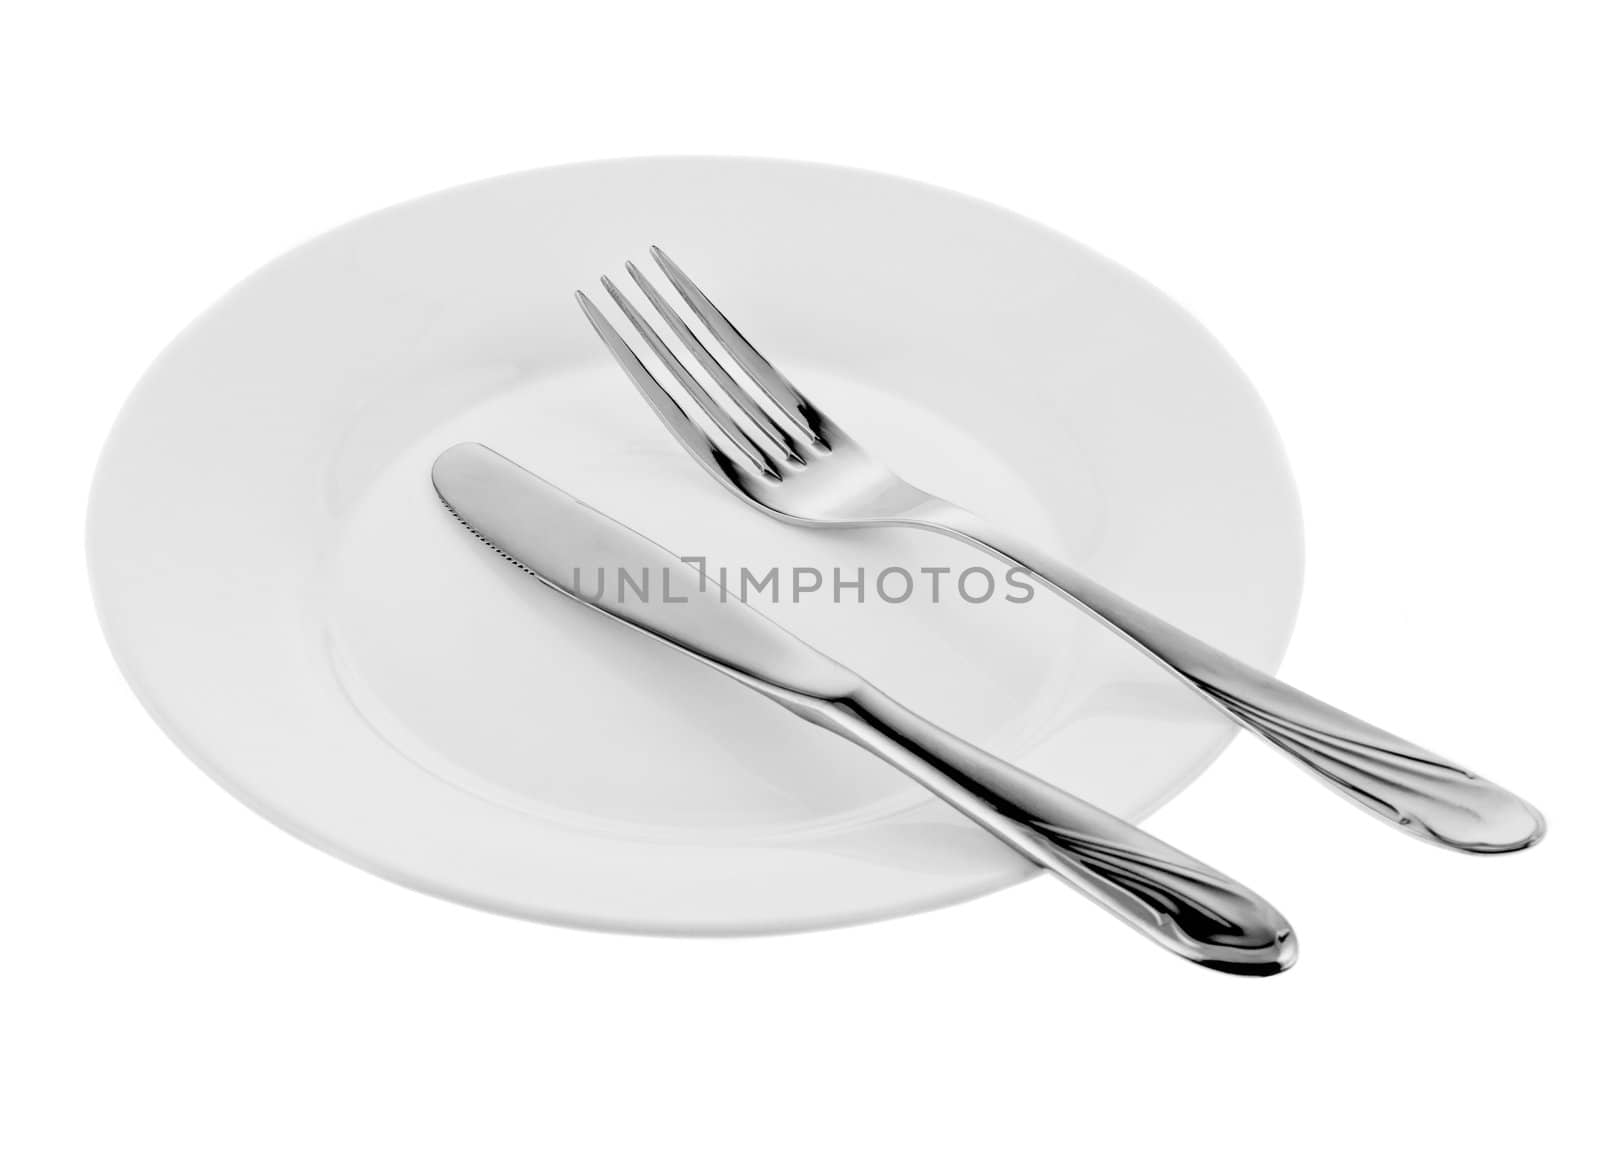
(1388,215)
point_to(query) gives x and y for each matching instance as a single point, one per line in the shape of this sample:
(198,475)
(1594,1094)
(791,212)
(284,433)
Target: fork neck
(940,515)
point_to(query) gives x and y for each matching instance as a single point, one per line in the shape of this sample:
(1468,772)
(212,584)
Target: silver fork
(780,453)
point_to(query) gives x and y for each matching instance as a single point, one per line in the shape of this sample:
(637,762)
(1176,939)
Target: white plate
(287,597)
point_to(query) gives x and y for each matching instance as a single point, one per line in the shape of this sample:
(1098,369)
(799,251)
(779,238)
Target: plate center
(504,688)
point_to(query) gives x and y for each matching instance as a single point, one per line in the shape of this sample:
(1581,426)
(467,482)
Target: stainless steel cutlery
(779,452)
(1171,898)
(746,423)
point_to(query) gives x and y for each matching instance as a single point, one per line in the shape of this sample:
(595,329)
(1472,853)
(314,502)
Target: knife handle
(1177,902)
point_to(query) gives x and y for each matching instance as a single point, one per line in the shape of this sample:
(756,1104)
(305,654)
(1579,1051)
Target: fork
(780,453)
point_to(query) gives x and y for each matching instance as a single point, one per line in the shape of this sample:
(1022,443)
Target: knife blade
(558,539)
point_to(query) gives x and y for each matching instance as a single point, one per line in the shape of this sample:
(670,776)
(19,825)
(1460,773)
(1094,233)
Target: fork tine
(689,433)
(709,406)
(766,376)
(719,373)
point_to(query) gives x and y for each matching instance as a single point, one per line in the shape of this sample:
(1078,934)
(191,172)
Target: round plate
(286,595)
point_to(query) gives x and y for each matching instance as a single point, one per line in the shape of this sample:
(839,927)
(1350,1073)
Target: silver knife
(1177,902)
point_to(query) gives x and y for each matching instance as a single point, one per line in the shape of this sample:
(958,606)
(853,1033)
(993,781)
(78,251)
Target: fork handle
(1169,897)
(1401,783)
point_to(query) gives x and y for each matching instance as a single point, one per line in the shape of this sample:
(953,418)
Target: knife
(1169,897)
